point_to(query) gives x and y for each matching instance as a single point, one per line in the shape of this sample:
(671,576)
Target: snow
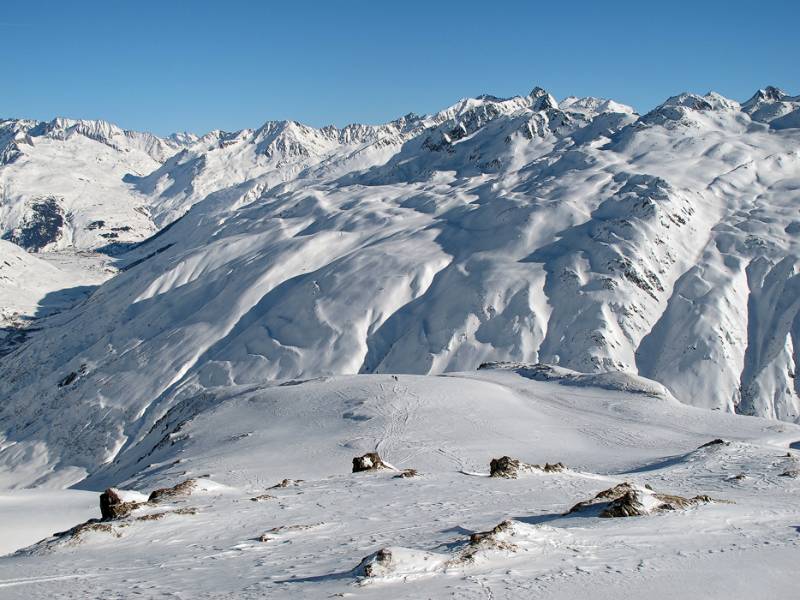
(773,106)
(34,285)
(508,230)
(30,515)
(130,495)
(555,282)
(310,539)
(80,166)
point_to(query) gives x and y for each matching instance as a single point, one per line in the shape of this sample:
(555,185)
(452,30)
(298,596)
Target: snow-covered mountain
(576,233)
(567,285)
(62,183)
(277,152)
(774,106)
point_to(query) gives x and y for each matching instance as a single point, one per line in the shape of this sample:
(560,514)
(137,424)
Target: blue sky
(170,65)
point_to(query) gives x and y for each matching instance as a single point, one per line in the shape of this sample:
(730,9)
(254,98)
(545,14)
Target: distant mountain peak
(542,99)
(774,106)
(769,93)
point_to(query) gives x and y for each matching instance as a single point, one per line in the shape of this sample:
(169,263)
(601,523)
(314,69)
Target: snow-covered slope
(275,511)
(24,280)
(576,234)
(35,285)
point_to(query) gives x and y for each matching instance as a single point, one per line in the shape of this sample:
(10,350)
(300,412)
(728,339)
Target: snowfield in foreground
(451,530)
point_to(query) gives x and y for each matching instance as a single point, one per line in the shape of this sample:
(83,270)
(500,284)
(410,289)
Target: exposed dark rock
(72,377)
(186,510)
(139,261)
(716,442)
(184,488)
(112,506)
(42,227)
(262,497)
(406,473)
(671,502)
(625,500)
(383,557)
(287,483)
(510,468)
(68,379)
(610,494)
(505,466)
(288,528)
(152,516)
(368,462)
(115,248)
(486,540)
(554,468)
(480,536)
(628,505)
(76,534)
(10,153)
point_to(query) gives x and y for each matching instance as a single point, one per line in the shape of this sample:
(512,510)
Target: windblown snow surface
(307,295)
(308,539)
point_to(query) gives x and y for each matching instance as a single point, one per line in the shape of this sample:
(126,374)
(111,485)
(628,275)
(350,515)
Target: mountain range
(576,234)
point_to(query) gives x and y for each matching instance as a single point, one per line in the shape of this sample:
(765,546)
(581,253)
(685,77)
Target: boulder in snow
(716,442)
(114,506)
(406,473)
(184,488)
(370,461)
(505,466)
(510,468)
(628,500)
(287,483)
